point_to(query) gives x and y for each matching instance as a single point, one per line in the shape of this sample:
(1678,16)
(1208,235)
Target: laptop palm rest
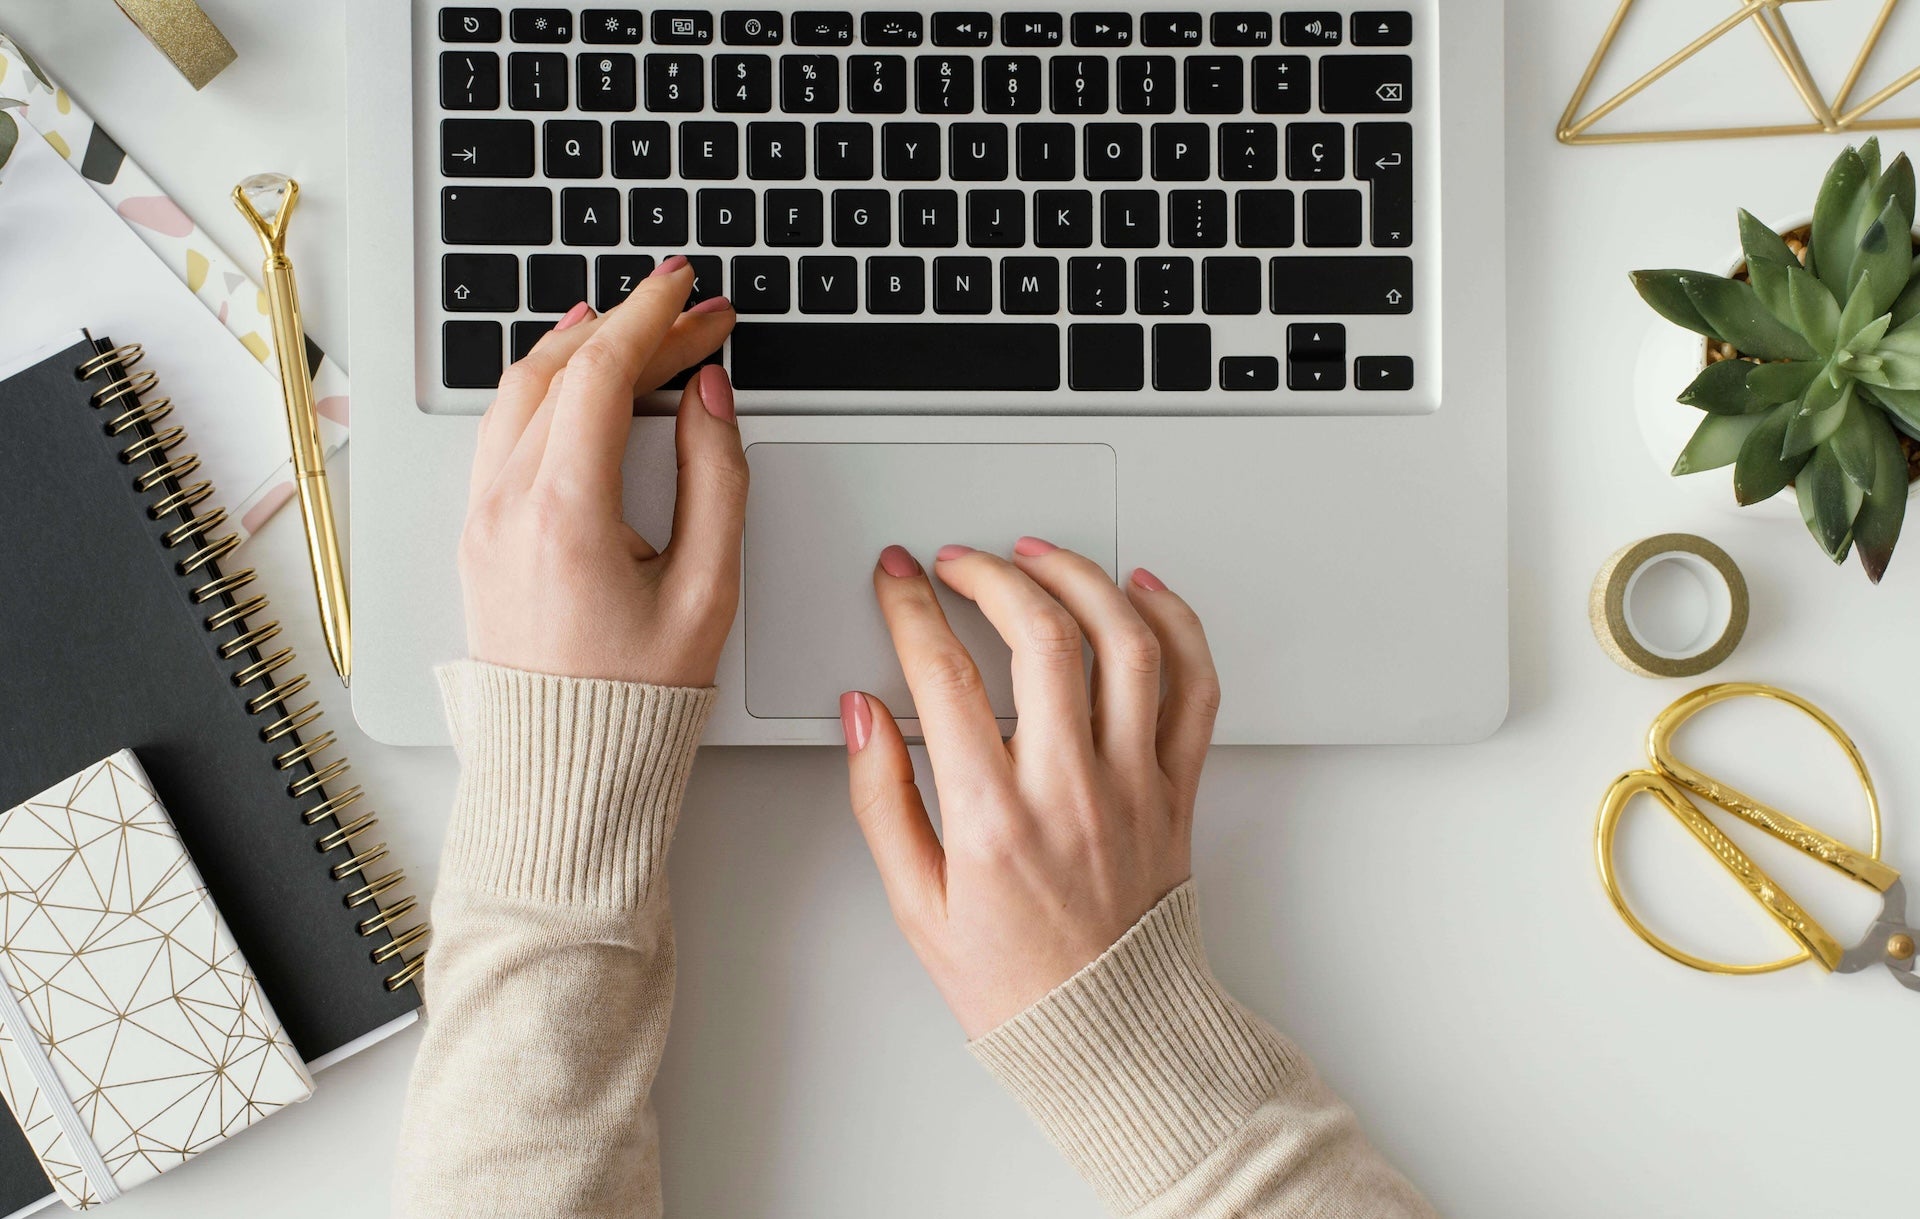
(819,516)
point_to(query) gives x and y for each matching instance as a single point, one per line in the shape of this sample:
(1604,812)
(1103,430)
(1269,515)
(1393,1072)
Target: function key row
(836,28)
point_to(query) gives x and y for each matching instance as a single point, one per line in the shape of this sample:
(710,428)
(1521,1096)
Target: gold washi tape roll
(1611,606)
(184,34)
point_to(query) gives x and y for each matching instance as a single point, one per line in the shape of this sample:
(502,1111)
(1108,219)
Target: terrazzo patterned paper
(218,281)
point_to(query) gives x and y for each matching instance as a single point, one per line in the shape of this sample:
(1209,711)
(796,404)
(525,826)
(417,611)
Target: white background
(1426,922)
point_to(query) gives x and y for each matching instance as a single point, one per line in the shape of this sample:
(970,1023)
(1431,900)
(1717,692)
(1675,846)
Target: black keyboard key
(1263,219)
(706,278)
(796,217)
(470,354)
(615,26)
(1106,355)
(1331,219)
(1129,219)
(537,80)
(1170,30)
(891,29)
(979,152)
(899,356)
(822,29)
(1043,152)
(1025,29)
(1316,341)
(1249,373)
(1216,84)
(469,25)
(1310,29)
(555,282)
(1230,285)
(1316,374)
(1113,152)
(1079,84)
(572,148)
(1180,152)
(1063,219)
(469,80)
(486,148)
(496,215)
(1183,356)
(1197,219)
(1319,285)
(1249,152)
(963,285)
(1243,29)
(725,216)
(615,276)
(1030,285)
(743,84)
(1010,84)
(777,151)
(524,334)
(996,219)
(641,149)
(1366,84)
(843,152)
(1383,372)
(809,84)
(1103,29)
(929,219)
(1282,84)
(608,81)
(1148,84)
(910,152)
(682,27)
(862,218)
(542,25)
(479,283)
(1163,286)
(1316,152)
(752,28)
(877,84)
(896,284)
(709,151)
(1389,29)
(590,215)
(962,29)
(829,284)
(762,284)
(657,216)
(1097,284)
(674,83)
(1383,156)
(943,84)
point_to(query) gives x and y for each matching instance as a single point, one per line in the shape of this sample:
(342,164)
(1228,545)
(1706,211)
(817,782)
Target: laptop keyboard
(1192,211)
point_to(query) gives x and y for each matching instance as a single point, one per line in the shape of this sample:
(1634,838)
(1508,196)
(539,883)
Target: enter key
(1383,157)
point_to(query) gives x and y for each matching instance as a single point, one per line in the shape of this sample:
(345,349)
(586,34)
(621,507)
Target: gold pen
(266,200)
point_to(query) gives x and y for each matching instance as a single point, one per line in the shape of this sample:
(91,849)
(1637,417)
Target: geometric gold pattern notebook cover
(133,1036)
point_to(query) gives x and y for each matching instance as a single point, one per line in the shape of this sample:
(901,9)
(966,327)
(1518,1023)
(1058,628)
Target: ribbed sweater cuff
(1139,1066)
(569,787)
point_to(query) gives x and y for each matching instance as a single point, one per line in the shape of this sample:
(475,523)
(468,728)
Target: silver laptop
(1212,290)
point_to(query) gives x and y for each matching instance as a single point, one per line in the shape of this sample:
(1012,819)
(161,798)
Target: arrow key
(1383,372)
(1316,374)
(1249,373)
(480,283)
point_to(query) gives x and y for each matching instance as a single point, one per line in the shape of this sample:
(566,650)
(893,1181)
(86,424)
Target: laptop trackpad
(819,515)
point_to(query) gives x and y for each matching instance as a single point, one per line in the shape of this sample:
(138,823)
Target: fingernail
(670,265)
(579,313)
(713,304)
(716,392)
(896,562)
(1147,580)
(951,551)
(1034,546)
(856,720)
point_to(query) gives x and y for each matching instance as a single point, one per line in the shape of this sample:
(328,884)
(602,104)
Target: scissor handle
(1863,866)
(1813,939)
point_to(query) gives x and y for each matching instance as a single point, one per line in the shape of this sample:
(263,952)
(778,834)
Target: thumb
(710,507)
(887,804)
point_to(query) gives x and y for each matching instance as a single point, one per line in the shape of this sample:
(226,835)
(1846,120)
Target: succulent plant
(1824,376)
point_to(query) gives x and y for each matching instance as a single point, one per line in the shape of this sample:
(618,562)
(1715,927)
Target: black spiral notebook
(123,624)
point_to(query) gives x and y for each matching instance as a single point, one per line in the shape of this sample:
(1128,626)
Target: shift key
(1327,286)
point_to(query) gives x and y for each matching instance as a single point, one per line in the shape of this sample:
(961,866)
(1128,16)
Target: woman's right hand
(1056,841)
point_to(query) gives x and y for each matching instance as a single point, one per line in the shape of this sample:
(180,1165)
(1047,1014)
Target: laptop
(1218,291)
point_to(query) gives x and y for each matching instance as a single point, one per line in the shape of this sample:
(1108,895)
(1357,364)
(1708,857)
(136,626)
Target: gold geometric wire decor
(1830,115)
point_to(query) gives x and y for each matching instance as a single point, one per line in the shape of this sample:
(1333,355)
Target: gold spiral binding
(152,448)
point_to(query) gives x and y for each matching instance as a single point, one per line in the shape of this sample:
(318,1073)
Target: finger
(963,739)
(695,335)
(1192,700)
(710,507)
(522,388)
(1126,653)
(890,810)
(592,418)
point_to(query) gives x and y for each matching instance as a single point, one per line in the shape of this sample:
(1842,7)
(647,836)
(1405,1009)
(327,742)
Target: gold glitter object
(184,34)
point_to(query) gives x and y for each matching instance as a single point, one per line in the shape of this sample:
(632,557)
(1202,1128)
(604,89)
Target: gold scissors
(1891,939)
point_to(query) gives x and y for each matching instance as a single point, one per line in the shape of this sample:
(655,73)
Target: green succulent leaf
(1870,157)
(1896,186)
(1877,528)
(1782,382)
(1734,310)
(1768,258)
(1867,340)
(1721,389)
(1902,406)
(1810,428)
(1829,502)
(1853,446)
(1859,311)
(1884,262)
(1716,442)
(1666,291)
(1908,306)
(1815,311)
(1898,359)
(1760,471)
(9,136)
(1839,216)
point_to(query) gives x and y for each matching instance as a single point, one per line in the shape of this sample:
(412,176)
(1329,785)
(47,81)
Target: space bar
(897,355)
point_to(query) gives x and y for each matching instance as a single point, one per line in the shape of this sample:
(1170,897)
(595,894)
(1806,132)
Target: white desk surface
(1426,922)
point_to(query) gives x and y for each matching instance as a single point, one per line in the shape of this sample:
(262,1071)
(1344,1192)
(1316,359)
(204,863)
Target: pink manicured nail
(896,562)
(716,392)
(856,720)
(1034,547)
(1147,580)
(713,304)
(579,313)
(670,265)
(952,551)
